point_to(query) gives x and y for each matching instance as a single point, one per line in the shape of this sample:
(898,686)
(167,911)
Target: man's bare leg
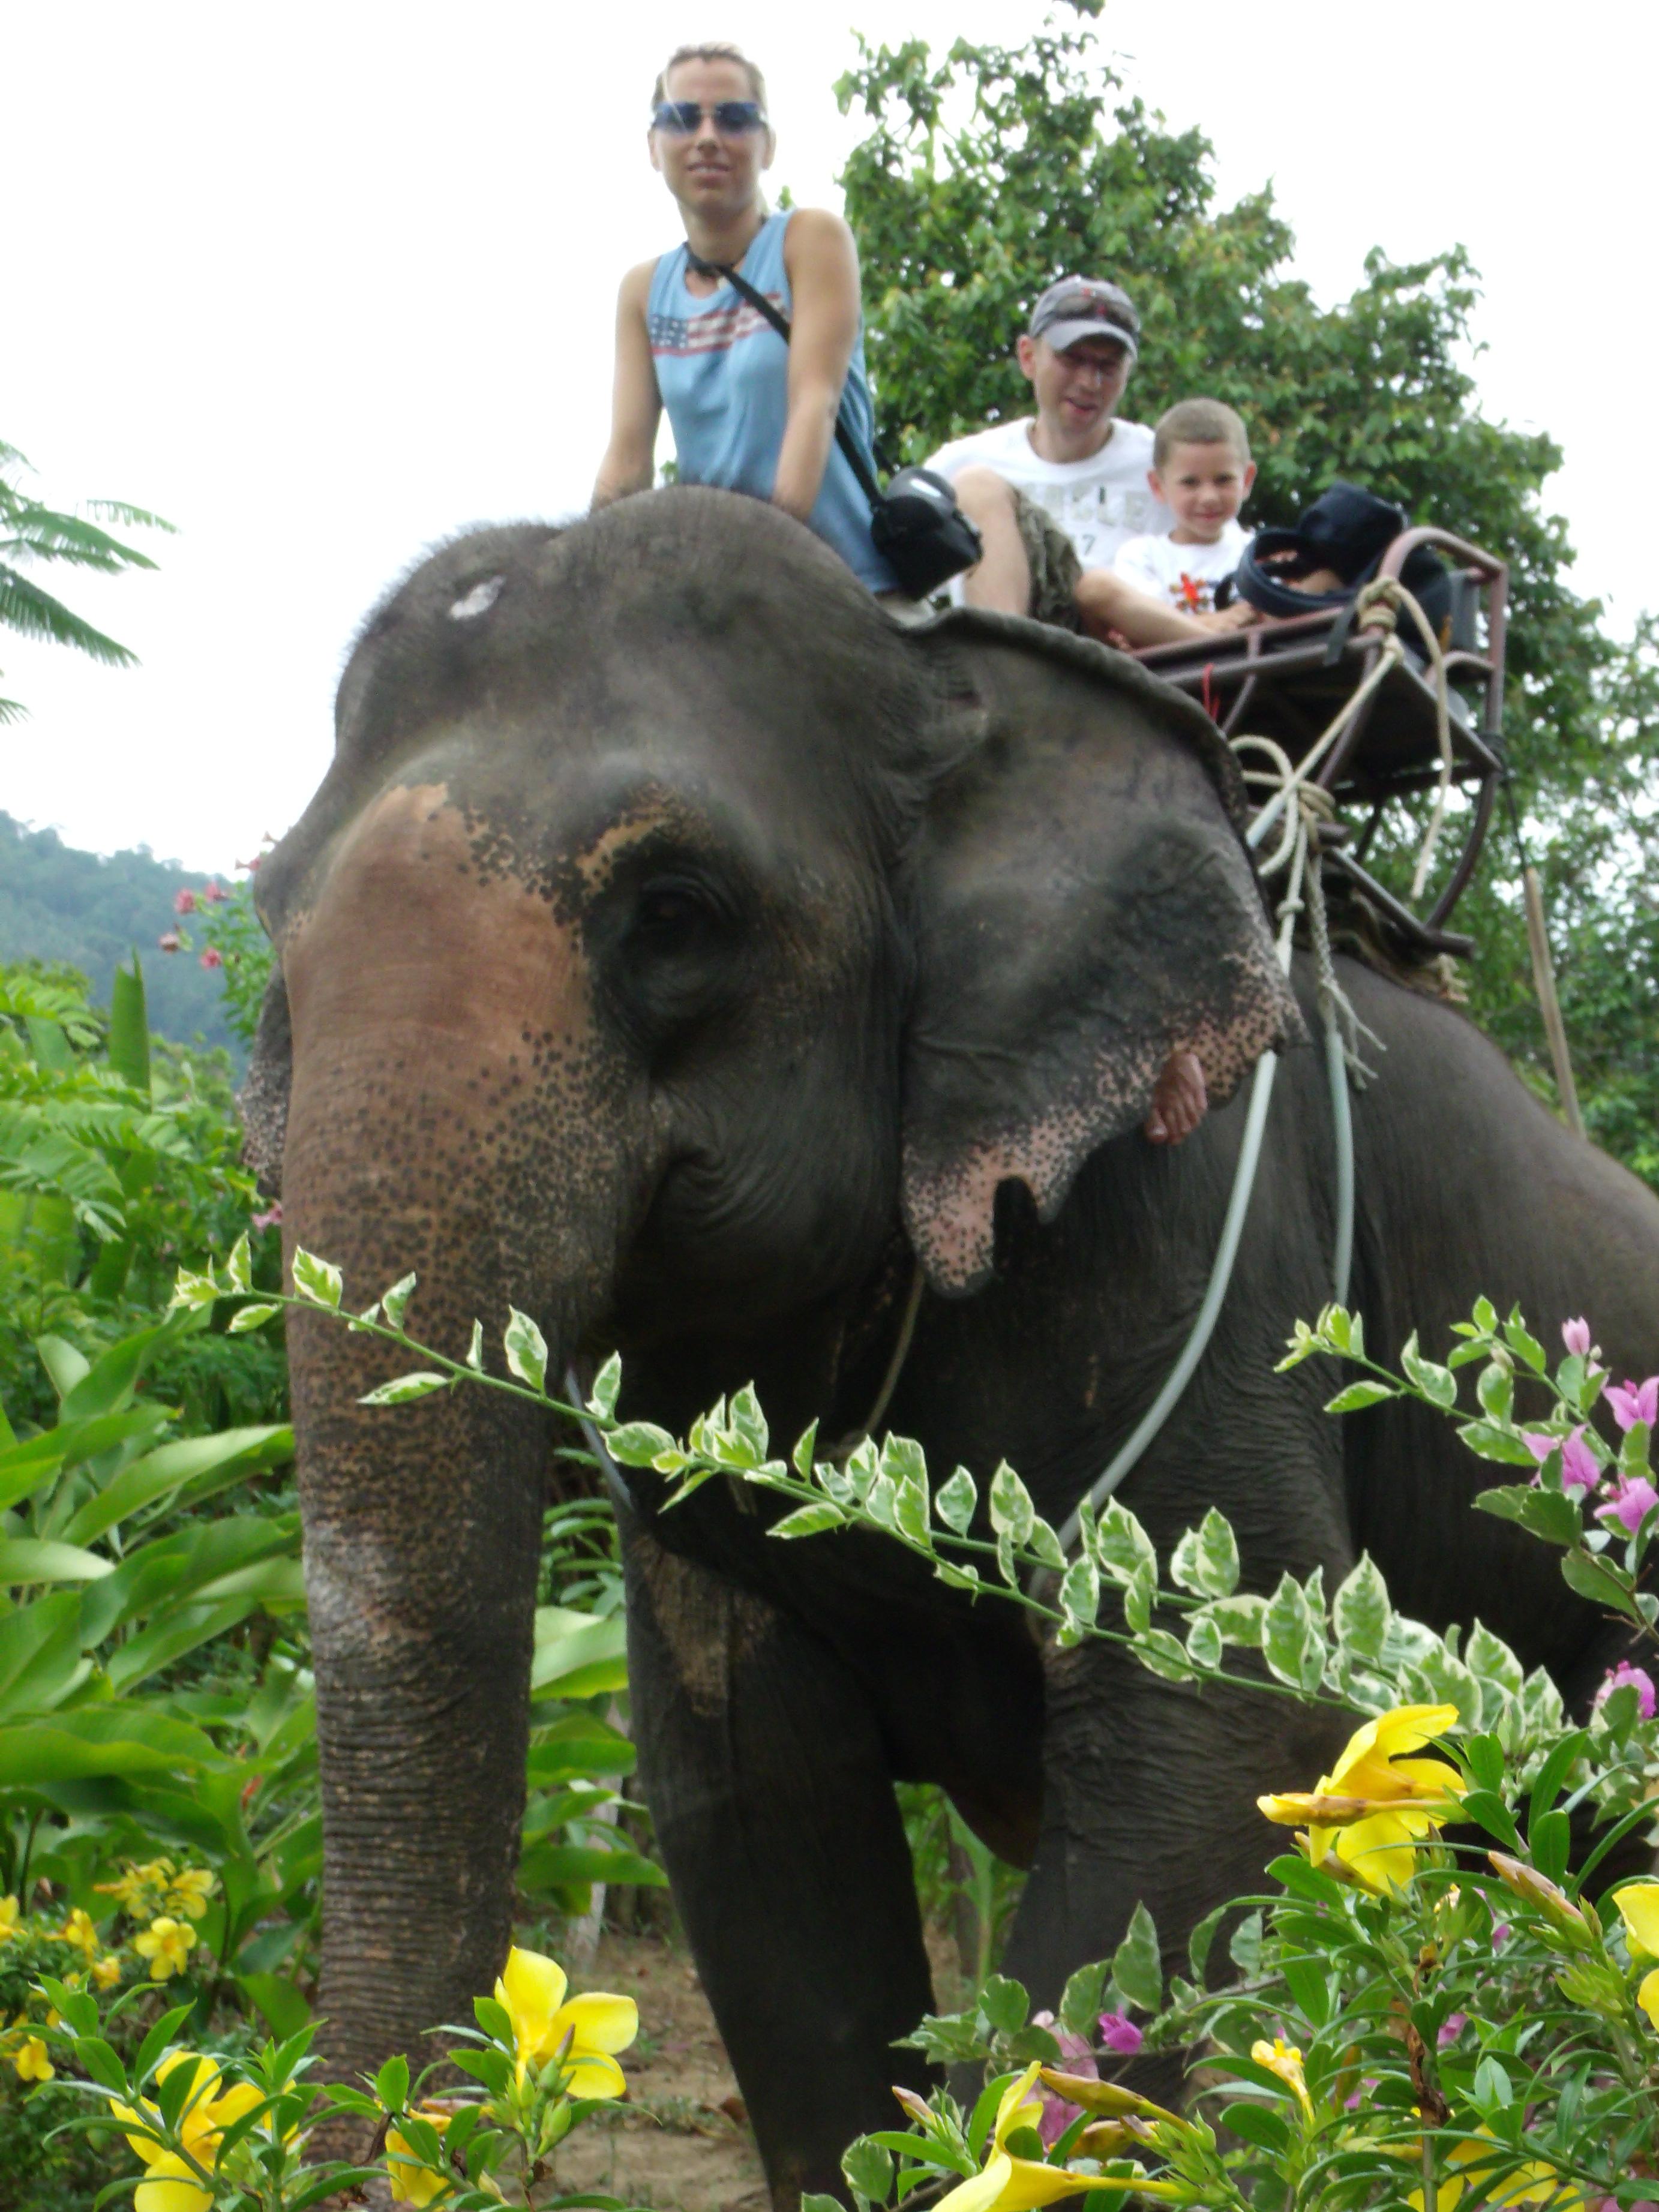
(1002,579)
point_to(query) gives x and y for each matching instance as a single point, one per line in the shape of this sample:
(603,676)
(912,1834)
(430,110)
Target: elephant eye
(671,914)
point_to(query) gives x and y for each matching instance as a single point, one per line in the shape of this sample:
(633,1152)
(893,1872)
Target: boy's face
(1203,487)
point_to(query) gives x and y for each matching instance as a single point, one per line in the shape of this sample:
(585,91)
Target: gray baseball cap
(1079,307)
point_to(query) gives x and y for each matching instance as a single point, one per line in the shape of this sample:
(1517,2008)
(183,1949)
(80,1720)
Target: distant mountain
(58,903)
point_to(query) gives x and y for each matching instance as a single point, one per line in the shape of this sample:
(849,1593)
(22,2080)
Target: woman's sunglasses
(733,119)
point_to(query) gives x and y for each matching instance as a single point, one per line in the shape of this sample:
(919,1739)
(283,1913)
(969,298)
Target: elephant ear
(1085,906)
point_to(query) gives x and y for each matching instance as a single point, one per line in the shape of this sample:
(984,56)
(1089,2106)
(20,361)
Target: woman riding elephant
(749,412)
(684,952)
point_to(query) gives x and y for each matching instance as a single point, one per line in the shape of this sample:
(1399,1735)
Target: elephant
(684,950)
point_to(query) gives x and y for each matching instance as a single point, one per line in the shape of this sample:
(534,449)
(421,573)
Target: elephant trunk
(430,1086)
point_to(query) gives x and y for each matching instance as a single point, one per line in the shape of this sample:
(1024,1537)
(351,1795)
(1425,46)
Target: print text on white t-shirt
(1100,503)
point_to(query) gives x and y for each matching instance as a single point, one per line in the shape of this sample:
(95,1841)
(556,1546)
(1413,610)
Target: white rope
(1297,854)
(1377,606)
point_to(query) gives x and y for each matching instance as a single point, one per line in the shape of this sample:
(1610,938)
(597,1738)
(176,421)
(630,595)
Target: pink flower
(1634,1402)
(1579,1472)
(1451,2028)
(1576,1335)
(1076,2057)
(214,892)
(171,941)
(1633,1501)
(1120,2034)
(213,958)
(1500,1933)
(1638,1678)
(184,902)
(271,1219)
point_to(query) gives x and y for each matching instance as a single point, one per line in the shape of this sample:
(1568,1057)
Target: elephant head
(671,926)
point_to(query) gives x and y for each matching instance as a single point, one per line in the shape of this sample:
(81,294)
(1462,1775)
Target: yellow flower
(1639,1908)
(170,2185)
(8,1918)
(1536,2183)
(592,2027)
(413,2183)
(1376,1804)
(106,1971)
(31,2061)
(79,1930)
(1007,2183)
(166,1943)
(132,1892)
(188,1892)
(1286,2060)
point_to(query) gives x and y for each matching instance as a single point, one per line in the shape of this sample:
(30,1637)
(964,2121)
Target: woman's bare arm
(630,459)
(822,264)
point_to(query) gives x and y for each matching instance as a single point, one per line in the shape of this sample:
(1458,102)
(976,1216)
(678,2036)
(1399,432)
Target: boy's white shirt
(1100,503)
(1165,571)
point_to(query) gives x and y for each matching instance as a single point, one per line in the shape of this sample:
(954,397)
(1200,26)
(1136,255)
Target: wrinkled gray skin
(675,947)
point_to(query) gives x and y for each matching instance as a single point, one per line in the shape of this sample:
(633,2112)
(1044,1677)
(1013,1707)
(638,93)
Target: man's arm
(630,459)
(822,264)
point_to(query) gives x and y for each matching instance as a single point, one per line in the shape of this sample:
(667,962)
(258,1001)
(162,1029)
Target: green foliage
(157,1717)
(237,2137)
(234,946)
(87,911)
(1402,2010)
(119,1159)
(963,1887)
(33,535)
(986,174)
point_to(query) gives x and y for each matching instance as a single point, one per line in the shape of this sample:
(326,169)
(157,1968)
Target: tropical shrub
(157,1721)
(237,2136)
(1436,2006)
(233,942)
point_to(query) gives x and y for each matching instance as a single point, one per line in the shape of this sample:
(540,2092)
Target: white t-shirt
(1183,576)
(1100,503)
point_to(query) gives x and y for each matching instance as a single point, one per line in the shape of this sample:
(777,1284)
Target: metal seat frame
(1287,678)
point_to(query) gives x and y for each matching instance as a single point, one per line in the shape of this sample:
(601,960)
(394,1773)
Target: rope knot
(1376,605)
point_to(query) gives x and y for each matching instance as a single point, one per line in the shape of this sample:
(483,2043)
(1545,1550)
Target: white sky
(322,283)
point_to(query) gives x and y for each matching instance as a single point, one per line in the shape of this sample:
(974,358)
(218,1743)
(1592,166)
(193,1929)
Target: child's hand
(1241,615)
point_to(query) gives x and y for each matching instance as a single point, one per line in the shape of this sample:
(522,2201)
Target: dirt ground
(681,2143)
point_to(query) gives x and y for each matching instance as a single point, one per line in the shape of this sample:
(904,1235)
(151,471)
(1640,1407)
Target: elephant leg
(763,1766)
(1149,1797)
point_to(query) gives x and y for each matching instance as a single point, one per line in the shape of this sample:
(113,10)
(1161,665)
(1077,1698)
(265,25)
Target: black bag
(915,525)
(1347,531)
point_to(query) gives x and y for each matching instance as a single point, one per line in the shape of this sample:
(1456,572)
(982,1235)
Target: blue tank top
(723,373)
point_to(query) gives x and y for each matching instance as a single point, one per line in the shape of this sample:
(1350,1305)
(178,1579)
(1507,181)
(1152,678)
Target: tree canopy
(988,172)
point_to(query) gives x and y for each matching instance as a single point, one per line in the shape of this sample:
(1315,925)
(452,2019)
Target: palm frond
(45,535)
(12,710)
(129,517)
(32,612)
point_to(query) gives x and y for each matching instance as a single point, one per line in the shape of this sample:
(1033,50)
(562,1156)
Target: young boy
(1202,472)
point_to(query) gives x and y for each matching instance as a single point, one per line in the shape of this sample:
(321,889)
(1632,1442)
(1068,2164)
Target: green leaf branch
(1181,1618)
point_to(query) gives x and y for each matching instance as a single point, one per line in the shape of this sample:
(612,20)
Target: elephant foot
(1179,1102)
